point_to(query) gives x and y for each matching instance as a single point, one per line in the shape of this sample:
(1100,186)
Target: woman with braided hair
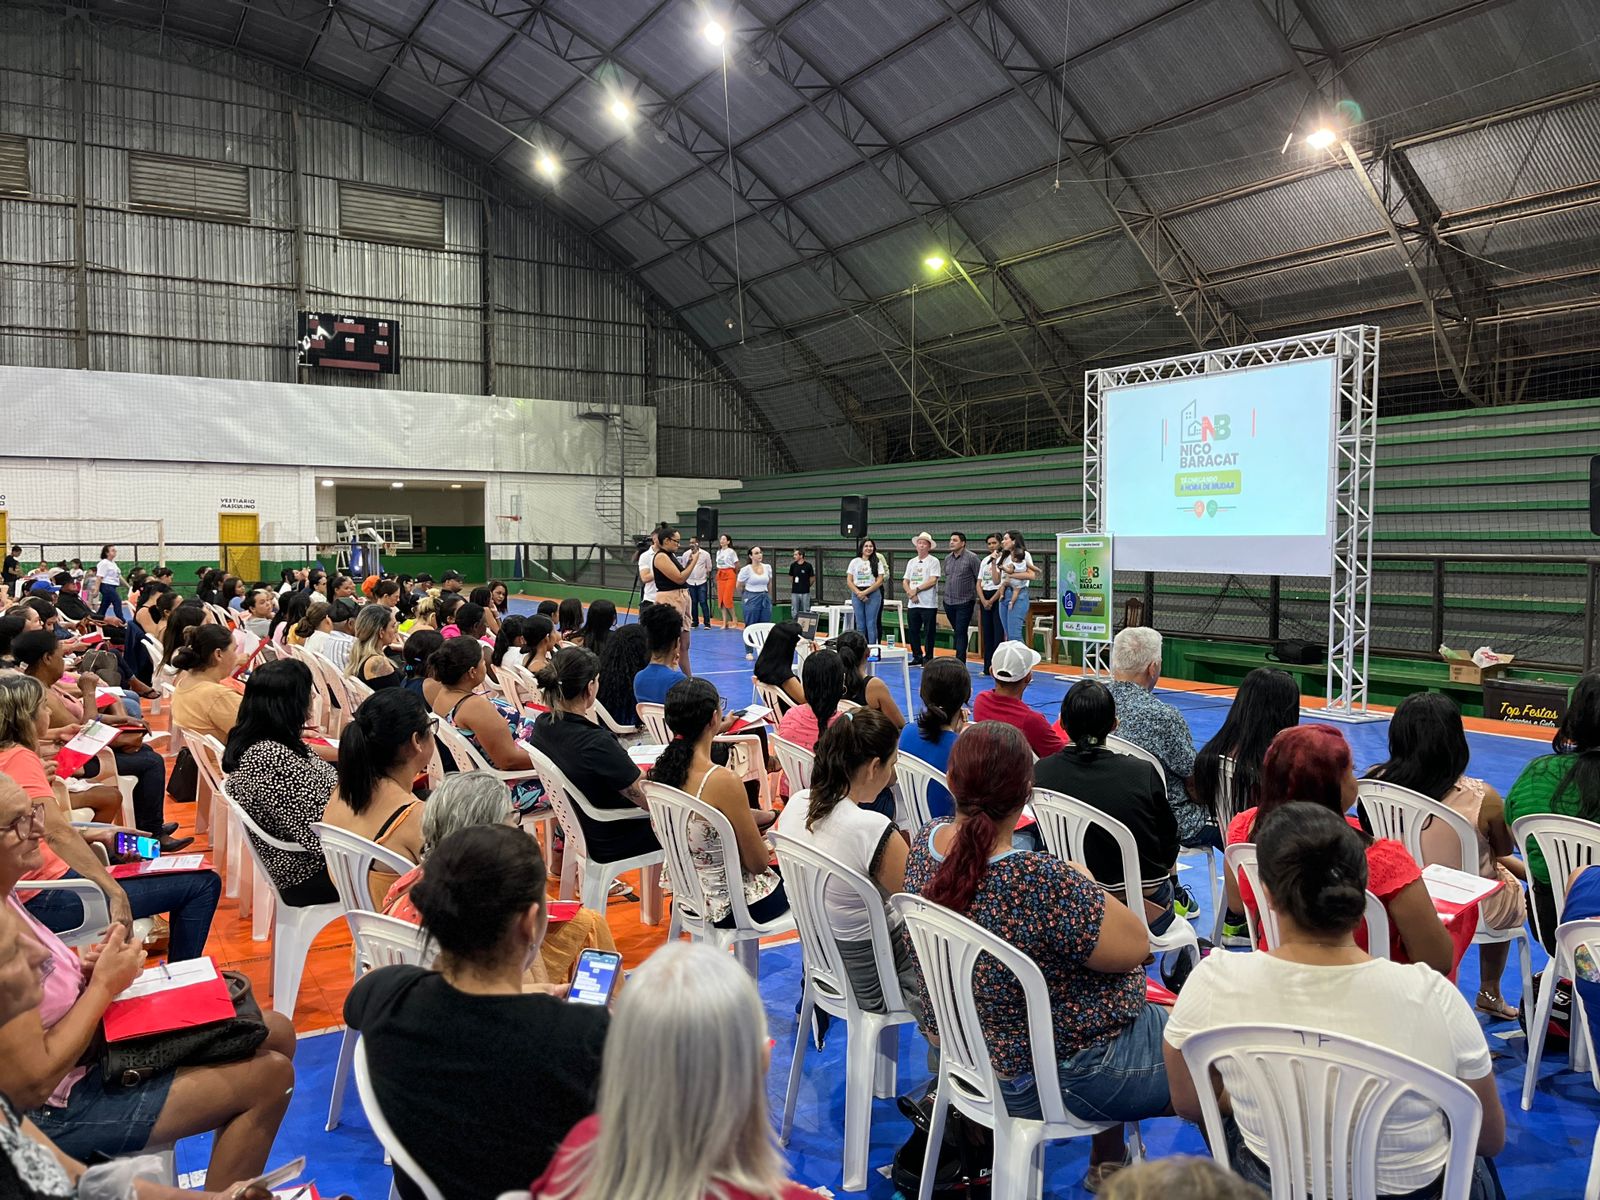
(1089,947)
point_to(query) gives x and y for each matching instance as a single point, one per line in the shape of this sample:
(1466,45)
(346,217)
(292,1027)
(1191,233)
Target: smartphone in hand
(596,977)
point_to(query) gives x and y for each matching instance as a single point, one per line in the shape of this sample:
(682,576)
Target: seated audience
(188,897)
(499,598)
(597,628)
(1566,782)
(39,655)
(449,602)
(663,630)
(50,1068)
(855,763)
(548,608)
(1090,949)
(1179,1177)
(466,1029)
(276,779)
(290,609)
(1314,867)
(775,663)
(540,641)
(822,679)
(388,743)
(694,714)
(625,654)
(490,724)
(469,621)
(1012,667)
(470,798)
(491,615)
(205,700)
(425,615)
(1158,727)
(314,629)
(860,685)
(590,756)
(184,616)
(419,650)
(569,618)
(1583,904)
(683,1093)
(1313,763)
(387,593)
(946,688)
(375,657)
(344,601)
(1126,789)
(1428,754)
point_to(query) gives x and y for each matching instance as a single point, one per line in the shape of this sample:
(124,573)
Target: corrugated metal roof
(853,205)
(898,95)
(845,38)
(1313,211)
(994,145)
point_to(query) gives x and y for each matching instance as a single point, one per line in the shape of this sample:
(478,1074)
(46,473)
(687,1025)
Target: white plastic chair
(1591,1190)
(380,941)
(809,877)
(913,779)
(1064,823)
(1123,746)
(796,762)
(625,733)
(773,697)
(386,1136)
(96,912)
(1241,858)
(566,801)
(948,947)
(1569,936)
(468,758)
(293,929)
(1567,843)
(350,859)
(653,719)
(239,878)
(1325,1099)
(1401,814)
(671,812)
(755,636)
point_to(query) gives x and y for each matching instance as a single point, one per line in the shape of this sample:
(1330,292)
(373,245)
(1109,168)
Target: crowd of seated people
(591,1121)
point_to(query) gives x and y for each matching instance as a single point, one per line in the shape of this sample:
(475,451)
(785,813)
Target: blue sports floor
(1546,1154)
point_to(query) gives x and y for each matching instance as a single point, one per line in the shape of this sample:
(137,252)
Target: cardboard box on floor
(1482,664)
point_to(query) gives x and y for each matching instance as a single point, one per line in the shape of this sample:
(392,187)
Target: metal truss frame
(1354,349)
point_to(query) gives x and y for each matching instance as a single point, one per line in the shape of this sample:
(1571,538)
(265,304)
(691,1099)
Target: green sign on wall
(1083,586)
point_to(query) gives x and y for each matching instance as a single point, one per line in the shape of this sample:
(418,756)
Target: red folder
(563,910)
(181,1008)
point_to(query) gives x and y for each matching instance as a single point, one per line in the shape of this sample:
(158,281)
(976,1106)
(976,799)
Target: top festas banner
(1083,586)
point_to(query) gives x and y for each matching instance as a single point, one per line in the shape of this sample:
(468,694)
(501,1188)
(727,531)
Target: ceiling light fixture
(327,483)
(546,165)
(620,109)
(397,485)
(934,262)
(715,33)
(455,487)
(1321,139)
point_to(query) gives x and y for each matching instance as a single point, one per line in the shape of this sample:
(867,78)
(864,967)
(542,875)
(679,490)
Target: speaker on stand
(1594,495)
(705,525)
(853,517)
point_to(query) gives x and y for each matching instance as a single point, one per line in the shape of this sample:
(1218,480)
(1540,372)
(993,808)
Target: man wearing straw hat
(921,583)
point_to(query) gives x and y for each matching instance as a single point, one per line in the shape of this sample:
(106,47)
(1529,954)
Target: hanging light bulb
(714,33)
(1321,139)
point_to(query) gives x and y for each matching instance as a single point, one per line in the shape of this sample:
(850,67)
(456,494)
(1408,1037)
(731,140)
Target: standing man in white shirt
(921,583)
(699,564)
(993,629)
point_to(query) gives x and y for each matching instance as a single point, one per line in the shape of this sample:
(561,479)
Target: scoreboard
(346,343)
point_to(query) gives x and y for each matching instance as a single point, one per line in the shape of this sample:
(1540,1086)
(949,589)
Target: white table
(839,618)
(899,607)
(901,655)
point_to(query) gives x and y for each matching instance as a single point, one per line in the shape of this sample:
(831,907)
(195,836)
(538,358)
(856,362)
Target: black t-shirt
(480,1089)
(1123,787)
(600,768)
(72,606)
(800,576)
(11,570)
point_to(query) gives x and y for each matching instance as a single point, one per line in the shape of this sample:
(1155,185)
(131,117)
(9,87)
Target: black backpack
(966,1157)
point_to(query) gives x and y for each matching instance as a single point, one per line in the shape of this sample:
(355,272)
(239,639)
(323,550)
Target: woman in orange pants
(727,577)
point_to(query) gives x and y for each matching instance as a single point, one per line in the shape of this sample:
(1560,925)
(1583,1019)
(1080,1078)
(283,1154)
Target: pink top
(799,725)
(62,980)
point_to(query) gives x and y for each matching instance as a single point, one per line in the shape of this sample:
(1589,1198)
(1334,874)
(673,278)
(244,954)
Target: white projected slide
(1226,473)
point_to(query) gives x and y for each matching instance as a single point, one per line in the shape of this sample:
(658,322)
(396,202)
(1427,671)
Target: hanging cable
(733,193)
(1061,117)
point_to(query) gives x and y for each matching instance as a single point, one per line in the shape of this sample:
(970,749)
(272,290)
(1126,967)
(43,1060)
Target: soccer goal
(57,539)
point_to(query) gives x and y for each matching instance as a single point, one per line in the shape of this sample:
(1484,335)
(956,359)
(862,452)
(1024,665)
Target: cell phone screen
(595,978)
(144,847)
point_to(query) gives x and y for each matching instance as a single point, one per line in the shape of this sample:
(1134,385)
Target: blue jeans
(869,614)
(699,601)
(189,898)
(1122,1079)
(799,604)
(1014,613)
(757,607)
(960,621)
(111,598)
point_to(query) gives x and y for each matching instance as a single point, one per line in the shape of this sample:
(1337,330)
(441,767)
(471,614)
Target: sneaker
(1236,934)
(1183,902)
(749,657)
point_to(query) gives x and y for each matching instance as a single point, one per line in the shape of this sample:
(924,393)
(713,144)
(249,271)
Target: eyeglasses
(26,823)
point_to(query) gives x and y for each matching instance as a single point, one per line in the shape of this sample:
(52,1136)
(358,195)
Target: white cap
(1013,661)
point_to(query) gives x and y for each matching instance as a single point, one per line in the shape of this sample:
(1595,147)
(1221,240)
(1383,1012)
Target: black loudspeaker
(705,525)
(1594,495)
(853,516)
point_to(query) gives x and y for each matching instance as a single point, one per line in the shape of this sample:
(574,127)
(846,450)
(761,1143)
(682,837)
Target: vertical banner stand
(1083,593)
(1355,349)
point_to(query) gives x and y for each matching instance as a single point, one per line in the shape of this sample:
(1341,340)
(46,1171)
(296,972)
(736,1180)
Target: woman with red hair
(1090,949)
(1313,763)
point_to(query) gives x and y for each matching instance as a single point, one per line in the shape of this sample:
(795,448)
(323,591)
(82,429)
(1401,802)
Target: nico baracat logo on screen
(1208,472)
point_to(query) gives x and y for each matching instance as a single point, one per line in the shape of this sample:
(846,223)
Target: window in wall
(14,165)
(380,215)
(165,183)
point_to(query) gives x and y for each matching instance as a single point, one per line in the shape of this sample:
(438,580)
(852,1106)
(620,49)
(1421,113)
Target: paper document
(644,755)
(92,738)
(1455,888)
(169,977)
